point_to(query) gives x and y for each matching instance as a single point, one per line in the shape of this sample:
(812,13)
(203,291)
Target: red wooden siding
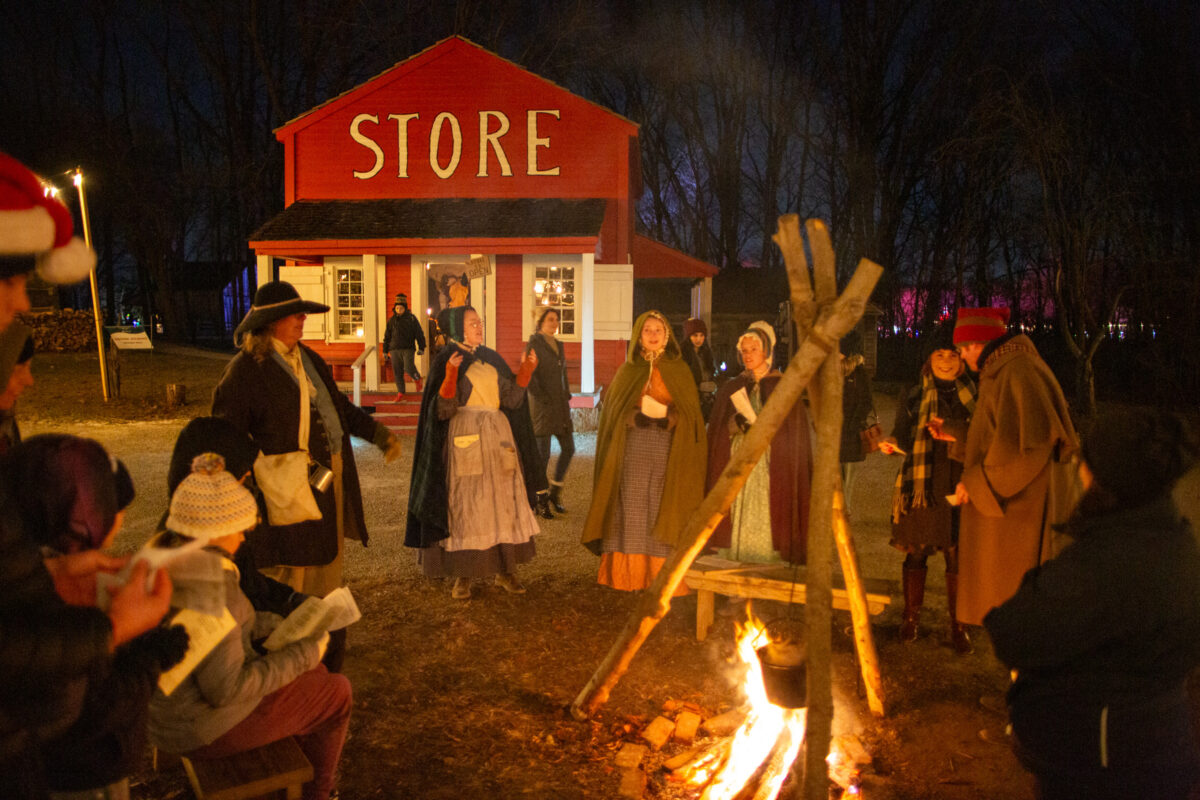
(508,309)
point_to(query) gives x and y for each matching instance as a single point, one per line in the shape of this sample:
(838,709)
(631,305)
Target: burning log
(838,315)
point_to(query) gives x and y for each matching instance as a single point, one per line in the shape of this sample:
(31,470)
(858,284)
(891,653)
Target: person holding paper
(73,503)
(476,468)
(768,520)
(650,457)
(235,699)
(923,521)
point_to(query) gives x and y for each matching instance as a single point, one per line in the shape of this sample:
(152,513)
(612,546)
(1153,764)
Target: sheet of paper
(952,499)
(204,633)
(315,616)
(652,408)
(741,403)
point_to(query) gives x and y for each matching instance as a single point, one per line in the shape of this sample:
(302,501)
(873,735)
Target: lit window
(349,298)
(554,287)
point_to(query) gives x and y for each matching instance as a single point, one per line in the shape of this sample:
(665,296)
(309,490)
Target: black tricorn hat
(272,302)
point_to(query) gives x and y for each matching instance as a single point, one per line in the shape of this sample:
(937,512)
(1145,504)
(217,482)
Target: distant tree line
(1037,154)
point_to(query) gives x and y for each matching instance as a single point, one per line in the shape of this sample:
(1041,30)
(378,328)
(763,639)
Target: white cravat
(307,390)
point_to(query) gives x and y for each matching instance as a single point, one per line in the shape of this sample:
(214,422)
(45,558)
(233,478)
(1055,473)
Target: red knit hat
(980,324)
(36,230)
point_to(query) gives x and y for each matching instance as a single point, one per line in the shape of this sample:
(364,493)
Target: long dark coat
(791,469)
(857,408)
(263,399)
(549,392)
(428,494)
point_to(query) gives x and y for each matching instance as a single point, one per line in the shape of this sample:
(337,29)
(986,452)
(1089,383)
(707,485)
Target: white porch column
(702,301)
(587,323)
(372,273)
(265,270)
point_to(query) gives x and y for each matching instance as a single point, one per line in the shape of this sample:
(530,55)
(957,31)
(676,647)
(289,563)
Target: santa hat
(980,324)
(36,230)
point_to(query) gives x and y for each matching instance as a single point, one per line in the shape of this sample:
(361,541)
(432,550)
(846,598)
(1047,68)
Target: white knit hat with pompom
(210,503)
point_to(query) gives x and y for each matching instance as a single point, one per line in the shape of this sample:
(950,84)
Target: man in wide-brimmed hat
(283,394)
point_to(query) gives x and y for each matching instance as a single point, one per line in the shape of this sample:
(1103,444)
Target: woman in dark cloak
(476,466)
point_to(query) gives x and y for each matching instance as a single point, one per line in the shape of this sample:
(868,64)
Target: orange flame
(768,729)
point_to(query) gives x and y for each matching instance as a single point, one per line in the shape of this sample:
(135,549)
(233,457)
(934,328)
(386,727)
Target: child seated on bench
(238,699)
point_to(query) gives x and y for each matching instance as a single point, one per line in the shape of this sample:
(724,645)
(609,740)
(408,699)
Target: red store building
(458,169)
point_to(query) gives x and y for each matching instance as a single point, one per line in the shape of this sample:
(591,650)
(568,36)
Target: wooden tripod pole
(833,322)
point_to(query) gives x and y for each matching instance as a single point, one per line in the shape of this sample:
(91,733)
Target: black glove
(742,423)
(158,649)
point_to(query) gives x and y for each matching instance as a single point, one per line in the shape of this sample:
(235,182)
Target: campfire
(767,733)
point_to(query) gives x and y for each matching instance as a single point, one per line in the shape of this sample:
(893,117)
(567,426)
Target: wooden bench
(276,770)
(711,576)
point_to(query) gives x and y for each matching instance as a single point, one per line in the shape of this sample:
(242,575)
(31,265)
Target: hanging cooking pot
(783,661)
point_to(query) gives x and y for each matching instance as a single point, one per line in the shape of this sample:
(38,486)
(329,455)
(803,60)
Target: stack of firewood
(62,331)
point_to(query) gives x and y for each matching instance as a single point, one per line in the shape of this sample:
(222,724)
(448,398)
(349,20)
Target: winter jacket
(858,409)
(262,398)
(549,392)
(1103,637)
(47,651)
(403,332)
(231,680)
(1016,468)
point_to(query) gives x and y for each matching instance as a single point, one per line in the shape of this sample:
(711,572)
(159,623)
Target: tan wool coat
(1018,475)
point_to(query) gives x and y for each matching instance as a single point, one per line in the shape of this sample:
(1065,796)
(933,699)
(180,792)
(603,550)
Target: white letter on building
(492,139)
(535,143)
(402,148)
(367,142)
(435,135)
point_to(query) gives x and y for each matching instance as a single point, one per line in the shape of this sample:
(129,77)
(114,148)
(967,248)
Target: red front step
(399,417)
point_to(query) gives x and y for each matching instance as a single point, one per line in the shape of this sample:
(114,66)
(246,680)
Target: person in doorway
(16,356)
(238,698)
(283,395)
(768,520)
(698,355)
(476,467)
(923,522)
(1103,637)
(1016,482)
(403,342)
(858,411)
(459,291)
(651,453)
(550,407)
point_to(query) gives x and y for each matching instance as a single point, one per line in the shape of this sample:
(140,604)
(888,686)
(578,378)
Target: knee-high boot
(914,598)
(959,639)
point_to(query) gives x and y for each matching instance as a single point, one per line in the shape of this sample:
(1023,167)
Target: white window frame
(335,265)
(533,309)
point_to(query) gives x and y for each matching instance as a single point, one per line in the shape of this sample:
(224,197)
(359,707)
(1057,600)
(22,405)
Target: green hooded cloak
(684,486)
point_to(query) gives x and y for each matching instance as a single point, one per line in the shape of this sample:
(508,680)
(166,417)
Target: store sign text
(493,125)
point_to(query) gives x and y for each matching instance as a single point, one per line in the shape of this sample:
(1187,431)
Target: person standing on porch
(651,453)
(403,341)
(476,469)
(550,407)
(1016,482)
(283,394)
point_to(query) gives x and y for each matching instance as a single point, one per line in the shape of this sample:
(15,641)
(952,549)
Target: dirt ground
(468,699)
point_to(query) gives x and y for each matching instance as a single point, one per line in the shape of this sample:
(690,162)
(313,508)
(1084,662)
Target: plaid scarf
(914,482)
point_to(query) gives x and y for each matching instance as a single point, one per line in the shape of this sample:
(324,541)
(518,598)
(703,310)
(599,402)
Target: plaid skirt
(643,474)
